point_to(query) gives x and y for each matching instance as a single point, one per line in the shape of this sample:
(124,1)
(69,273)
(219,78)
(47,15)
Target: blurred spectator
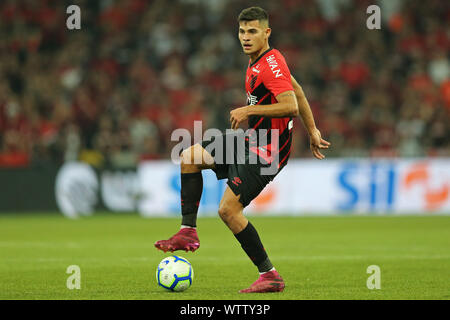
(113,92)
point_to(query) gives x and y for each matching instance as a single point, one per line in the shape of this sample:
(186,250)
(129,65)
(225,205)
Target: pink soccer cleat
(186,239)
(267,282)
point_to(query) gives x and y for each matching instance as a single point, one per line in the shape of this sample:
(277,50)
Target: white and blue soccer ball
(175,273)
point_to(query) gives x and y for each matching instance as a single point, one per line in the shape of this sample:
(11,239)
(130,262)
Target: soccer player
(274,98)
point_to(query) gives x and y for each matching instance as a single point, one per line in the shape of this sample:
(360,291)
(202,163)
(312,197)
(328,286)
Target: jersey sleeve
(276,75)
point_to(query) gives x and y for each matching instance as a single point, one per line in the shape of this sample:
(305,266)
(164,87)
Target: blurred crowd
(113,92)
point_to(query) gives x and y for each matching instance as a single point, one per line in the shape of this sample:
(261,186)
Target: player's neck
(256,55)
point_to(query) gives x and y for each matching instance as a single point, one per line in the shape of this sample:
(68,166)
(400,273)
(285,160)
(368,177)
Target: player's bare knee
(187,161)
(187,156)
(224,213)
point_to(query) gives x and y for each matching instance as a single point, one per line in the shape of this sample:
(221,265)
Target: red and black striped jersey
(266,78)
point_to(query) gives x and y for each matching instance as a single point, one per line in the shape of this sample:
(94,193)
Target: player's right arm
(304,110)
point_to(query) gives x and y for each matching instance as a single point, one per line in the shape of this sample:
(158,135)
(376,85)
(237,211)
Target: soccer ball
(175,273)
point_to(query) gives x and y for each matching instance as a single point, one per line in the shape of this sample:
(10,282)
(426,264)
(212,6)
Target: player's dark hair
(253,13)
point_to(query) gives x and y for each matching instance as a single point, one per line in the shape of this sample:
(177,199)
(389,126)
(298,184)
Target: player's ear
(268,32)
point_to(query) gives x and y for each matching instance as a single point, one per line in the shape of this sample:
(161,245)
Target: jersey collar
(262,55)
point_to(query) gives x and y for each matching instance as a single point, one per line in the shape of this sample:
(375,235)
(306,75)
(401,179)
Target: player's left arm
(315,138)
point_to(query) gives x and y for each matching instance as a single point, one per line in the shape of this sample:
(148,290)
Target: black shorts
(244,179)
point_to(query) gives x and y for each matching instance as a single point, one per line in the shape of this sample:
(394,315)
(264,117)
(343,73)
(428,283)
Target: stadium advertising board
(304,187)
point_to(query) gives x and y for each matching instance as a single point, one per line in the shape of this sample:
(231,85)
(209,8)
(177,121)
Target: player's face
(254,36)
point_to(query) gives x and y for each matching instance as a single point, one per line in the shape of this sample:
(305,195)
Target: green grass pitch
(318,257)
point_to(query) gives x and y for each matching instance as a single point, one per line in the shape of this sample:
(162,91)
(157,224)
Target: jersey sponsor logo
(251,99)
(273,64)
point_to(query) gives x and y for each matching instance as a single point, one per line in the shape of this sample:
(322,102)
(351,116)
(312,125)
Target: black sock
(191,192)
(251,243)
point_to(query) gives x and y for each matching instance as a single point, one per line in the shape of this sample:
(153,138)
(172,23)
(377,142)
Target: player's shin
(191,192)
(253,247)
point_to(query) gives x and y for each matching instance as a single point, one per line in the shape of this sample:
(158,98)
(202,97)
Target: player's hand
(317,143)
(238,116)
